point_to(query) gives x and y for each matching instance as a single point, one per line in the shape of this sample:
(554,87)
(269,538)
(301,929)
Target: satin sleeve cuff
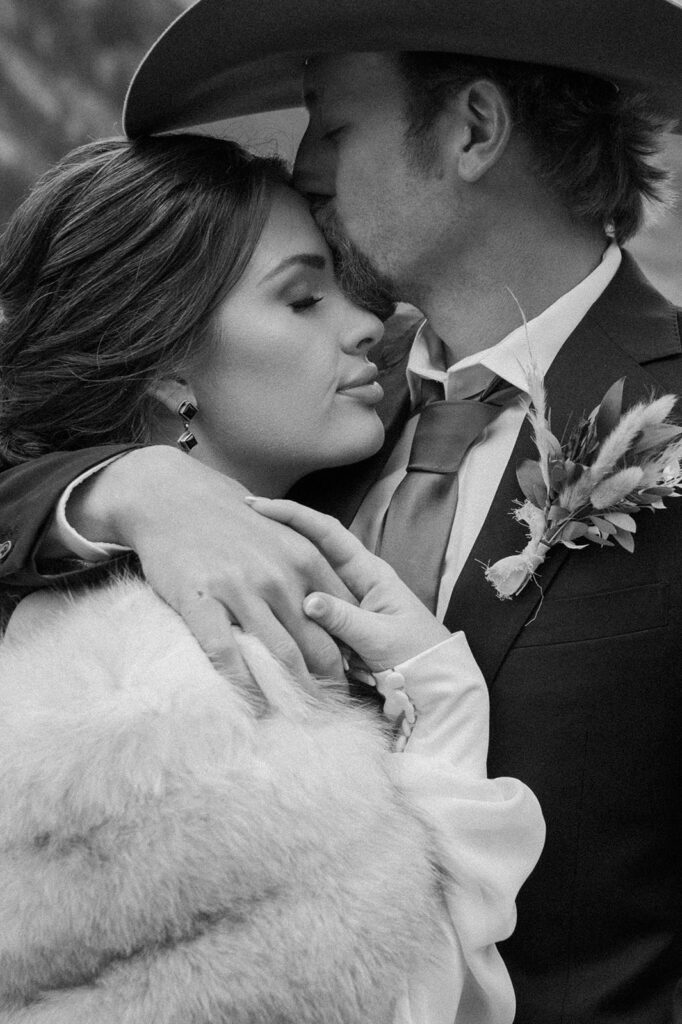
(63,534)
(450,696)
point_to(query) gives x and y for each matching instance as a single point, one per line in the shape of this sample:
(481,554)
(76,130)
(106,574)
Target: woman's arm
(202,549)
(488,833)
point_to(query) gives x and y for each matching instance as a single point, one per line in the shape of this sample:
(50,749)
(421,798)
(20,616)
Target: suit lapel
(629,325)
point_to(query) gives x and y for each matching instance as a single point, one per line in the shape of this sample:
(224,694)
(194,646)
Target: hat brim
(225,58)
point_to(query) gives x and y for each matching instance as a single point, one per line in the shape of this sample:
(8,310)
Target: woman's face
(286,387)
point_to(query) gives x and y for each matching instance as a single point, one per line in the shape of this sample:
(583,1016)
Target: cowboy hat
(223,58)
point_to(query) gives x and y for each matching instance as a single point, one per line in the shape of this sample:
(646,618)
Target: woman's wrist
(113,505)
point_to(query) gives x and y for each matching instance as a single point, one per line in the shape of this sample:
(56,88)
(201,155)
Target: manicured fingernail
(314,607)
(250,499)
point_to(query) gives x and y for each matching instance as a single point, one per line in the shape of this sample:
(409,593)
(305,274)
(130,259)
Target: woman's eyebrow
(307,259)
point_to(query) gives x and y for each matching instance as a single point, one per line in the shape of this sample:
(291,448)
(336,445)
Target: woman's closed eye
(301,305)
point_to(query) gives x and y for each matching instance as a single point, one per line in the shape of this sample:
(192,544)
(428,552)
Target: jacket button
(5,549)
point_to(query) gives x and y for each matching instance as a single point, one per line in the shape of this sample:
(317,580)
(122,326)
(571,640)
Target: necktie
(418,521)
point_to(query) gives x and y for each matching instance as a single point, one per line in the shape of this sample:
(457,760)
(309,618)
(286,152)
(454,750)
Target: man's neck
(475,306)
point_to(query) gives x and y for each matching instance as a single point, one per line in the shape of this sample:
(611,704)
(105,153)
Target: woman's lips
(370,393)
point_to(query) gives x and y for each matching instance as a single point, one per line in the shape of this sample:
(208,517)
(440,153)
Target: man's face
(355,165)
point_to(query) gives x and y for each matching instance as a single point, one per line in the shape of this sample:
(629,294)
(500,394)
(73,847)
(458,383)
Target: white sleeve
(63,534)
(451,699)
(488,832)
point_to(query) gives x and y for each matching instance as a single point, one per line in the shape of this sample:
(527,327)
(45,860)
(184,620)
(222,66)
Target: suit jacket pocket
(596,615)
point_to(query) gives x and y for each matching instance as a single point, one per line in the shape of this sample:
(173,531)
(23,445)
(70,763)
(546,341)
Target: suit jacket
(584,675)
(585,678)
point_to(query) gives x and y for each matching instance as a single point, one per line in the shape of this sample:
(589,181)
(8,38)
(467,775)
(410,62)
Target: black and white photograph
(340,519)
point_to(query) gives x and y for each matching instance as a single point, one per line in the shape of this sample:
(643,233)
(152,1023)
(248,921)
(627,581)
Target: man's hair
(110,272)
(592,143)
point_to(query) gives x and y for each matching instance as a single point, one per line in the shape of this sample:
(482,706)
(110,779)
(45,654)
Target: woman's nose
(366,331)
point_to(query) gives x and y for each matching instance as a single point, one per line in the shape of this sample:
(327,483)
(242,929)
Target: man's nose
(314,167)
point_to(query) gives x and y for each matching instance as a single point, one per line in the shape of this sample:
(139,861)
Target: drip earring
(186,412)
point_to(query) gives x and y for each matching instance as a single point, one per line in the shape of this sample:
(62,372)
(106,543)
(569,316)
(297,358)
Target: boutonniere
(587,488)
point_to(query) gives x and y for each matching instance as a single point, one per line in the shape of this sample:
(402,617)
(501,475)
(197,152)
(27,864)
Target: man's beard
(357,275)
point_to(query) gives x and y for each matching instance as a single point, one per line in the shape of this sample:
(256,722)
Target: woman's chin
(358,445)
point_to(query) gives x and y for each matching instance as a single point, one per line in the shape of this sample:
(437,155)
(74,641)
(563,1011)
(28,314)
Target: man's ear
(485,121)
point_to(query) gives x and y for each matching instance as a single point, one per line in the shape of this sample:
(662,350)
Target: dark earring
(187,440)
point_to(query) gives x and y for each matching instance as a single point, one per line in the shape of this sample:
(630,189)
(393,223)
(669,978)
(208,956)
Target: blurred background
(64,69)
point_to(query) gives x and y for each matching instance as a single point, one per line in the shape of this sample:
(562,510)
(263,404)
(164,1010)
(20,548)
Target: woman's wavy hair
(593,144)
(110,272)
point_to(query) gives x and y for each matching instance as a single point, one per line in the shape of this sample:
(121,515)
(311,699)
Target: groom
(464,180)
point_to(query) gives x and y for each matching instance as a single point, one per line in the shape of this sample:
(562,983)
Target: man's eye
(302,304)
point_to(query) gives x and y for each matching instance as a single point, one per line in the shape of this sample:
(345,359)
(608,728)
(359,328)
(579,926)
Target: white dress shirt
(483,465)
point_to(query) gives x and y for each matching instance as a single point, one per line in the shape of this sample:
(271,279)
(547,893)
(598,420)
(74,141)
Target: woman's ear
(486,124)
(175,406)
(172,393)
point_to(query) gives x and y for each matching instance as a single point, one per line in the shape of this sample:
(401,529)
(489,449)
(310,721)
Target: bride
(185,842)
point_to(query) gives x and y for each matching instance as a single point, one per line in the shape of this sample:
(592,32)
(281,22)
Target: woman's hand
(391,624)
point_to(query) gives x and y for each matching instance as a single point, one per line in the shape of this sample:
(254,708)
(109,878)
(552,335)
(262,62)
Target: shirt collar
(539,339)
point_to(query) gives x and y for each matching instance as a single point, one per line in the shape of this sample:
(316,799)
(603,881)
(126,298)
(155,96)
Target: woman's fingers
(260,621)
(211,624)
(213,627)
(357,567)
(351,625)
(381,639)
(392,625)
(327,533)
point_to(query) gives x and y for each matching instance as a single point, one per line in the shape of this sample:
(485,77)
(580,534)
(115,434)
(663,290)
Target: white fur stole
(173,853)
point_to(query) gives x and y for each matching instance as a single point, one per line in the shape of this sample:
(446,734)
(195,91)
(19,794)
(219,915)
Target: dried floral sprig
(587,489)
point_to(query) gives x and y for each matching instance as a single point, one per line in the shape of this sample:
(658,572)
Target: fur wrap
(178,848)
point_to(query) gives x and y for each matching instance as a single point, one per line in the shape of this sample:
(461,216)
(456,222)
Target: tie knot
(431,391)
(444,433)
